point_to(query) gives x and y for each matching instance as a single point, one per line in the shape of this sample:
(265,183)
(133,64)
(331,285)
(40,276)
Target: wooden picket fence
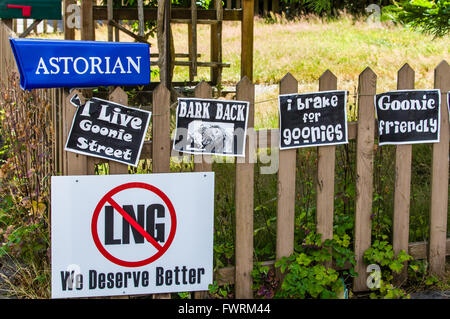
(159,150)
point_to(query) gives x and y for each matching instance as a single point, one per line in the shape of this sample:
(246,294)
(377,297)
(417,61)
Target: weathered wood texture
(364,172)
(325,172)
(244,191)
(439,178)
(402,191)
(286,186)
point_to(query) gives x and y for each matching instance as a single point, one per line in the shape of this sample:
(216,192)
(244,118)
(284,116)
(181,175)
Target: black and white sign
(108,130)
(211,127)
(313,119)
(132,234)
(408,116)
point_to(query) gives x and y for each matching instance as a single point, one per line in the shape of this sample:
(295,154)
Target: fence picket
(245,91)
(75,164)
(118,96)
(402,191)
(203,163)
(439,178)
(286,186)
(161,130)
(364,172)
(325,172)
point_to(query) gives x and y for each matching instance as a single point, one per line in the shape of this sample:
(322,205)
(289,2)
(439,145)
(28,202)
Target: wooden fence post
(364,172)
(439,178)
(325,172)
(161,139)
(87,21)
(69,33)
(286,186)
(247,39)
(74,164)
(402,191)
(245,91)
(161,130)
(202,163)
(118,96)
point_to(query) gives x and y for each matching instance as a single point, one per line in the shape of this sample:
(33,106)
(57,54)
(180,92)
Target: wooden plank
(29,29)
(118,96)
(74,164)
(141,17)
(244,184)
(128,32)
(161,130)
(203,163)
(439,178)
(419,250)
(69,33)
(87,21)
(161,139)
(276,6)
(247,39)
(402,191)
(101,13)
(110,9)
(167,69)
(364,172)
(286,186)
(325,172)
(193,40)
(216,44)
(190,51)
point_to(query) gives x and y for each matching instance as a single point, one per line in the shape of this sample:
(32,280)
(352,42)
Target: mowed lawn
(308,47)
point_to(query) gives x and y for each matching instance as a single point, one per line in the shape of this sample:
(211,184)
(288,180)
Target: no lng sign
(131,234)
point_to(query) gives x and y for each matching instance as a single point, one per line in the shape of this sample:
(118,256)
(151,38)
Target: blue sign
(80,64)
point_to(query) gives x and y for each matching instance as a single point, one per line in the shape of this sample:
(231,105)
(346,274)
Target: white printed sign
(132,234)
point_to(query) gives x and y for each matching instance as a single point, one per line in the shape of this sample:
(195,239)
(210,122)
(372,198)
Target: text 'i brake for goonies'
(313,119)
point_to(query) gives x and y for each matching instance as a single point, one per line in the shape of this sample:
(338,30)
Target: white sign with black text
(408,116)
(108,130)
(131,234)
(211,127)
(313,119)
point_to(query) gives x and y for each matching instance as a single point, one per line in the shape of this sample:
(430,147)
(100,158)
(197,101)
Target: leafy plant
(428,16)
(220,291)
(382,254)
(24,183)
(264,281)
(306,273)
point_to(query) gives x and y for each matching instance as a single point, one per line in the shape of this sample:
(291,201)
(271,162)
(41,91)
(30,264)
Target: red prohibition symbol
(161,249)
